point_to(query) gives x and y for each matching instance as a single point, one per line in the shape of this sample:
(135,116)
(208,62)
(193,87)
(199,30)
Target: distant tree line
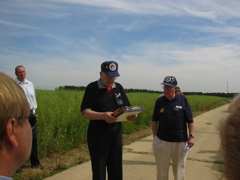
(228,95)
(82,88)
(141,90)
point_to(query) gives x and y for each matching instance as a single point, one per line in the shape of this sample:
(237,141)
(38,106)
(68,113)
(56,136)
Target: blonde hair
(178,90)
(13,102)
(230,141)
(234,103)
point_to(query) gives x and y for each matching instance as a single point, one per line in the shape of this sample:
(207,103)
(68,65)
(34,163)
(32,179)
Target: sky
(64,42)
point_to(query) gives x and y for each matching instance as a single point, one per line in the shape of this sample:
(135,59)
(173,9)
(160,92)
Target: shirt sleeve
(87,102)
(155,111)
(188,113)
(126,100)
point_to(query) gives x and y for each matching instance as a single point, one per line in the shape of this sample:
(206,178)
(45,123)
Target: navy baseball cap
(169,81)
(110,68)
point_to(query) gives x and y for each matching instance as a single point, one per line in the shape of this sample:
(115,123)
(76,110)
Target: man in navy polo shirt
(171,118)
(104,136)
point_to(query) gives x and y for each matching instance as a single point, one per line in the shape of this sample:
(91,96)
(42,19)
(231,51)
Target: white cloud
(65,45)
(204,69)
(200,69)
(210,9)
(19,25)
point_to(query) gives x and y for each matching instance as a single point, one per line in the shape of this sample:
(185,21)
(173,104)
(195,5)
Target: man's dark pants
(105,147)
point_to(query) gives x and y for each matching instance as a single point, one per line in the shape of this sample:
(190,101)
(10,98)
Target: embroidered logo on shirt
(119,99)
(161,110)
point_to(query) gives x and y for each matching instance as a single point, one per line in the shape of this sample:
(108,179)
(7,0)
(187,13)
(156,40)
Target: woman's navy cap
(110,68)
(169,81)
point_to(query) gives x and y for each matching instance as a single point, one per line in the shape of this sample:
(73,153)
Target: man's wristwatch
(191,135)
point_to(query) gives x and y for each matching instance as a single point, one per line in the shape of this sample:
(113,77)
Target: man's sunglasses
(32,118)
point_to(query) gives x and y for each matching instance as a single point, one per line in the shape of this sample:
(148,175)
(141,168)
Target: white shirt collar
(101,85)
(19,82)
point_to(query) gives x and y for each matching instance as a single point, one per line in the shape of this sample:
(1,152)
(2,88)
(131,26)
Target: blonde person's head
(234,103)
(230,141)
(13,102)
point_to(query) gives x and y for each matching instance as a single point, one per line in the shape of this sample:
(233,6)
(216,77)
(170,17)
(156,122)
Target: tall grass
(60,124)
(205,103)
(61,127)
(144,118)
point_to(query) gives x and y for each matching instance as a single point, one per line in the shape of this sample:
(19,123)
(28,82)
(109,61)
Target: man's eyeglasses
(168,87)
(111,77)
(32,118)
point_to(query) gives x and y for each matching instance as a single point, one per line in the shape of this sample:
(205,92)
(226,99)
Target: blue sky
(64,42)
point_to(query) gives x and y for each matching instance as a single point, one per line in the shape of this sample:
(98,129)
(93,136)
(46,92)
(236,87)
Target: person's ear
(10,132)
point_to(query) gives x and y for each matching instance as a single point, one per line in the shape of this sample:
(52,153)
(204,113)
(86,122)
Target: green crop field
(61,127)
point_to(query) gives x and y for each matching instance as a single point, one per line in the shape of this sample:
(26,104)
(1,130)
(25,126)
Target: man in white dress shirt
(15,127)
(29,91)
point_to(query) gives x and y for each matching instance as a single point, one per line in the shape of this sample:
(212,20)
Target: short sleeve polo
(172,117)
